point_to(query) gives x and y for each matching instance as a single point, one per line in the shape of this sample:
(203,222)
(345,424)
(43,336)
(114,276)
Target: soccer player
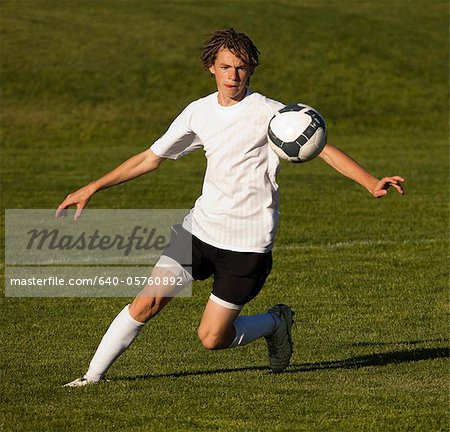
(232,224)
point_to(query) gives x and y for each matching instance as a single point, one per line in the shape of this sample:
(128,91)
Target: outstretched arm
(136,166)
(348,167)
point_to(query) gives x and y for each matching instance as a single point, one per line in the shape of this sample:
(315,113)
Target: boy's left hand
(382,186)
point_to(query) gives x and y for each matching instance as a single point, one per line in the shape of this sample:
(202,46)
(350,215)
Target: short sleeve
(179,139)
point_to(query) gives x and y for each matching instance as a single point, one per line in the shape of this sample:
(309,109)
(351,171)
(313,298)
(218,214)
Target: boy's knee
(209,340)
(145,308)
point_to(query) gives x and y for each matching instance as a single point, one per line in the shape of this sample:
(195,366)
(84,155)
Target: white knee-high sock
(251,327)
(119,336)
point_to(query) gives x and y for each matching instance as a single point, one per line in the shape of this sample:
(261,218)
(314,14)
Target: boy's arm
(348,167)
(136,166)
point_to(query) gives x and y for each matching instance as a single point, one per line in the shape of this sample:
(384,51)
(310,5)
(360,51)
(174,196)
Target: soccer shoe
(80,382)
(279,343)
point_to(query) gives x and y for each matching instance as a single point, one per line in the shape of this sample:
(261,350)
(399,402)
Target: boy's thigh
(240,276)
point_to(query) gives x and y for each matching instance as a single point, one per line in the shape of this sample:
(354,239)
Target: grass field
(86,84)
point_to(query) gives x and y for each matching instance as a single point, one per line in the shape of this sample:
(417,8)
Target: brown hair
(239,43)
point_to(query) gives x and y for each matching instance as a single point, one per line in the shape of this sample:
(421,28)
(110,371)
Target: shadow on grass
(414,342)
(380,359)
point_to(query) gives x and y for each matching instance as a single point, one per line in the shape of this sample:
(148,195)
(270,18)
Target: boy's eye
(240,68)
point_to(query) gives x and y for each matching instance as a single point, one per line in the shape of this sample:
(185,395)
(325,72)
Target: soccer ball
(297,133)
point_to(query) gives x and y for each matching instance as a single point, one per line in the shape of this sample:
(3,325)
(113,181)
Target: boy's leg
(119,336)
(238,278)
(216,330)
(128,323)
(122,332)
(221,327)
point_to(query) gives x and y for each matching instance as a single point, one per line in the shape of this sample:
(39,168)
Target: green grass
(86,84)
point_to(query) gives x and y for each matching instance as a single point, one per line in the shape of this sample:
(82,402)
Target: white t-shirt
(238,207)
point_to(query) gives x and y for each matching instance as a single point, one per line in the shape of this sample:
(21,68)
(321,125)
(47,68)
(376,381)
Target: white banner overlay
(48,281)
(106,253)
(119,237)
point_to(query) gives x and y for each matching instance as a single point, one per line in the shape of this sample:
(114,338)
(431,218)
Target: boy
(232,224)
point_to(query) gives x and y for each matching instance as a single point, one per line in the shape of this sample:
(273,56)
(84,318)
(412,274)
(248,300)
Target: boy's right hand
(80,198)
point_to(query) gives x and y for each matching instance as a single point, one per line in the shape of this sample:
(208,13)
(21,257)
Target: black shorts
(238,276)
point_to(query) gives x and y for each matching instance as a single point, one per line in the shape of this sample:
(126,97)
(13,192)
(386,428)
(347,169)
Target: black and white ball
(297,133)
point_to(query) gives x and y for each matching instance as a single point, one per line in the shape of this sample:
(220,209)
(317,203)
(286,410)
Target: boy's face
(231,74)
